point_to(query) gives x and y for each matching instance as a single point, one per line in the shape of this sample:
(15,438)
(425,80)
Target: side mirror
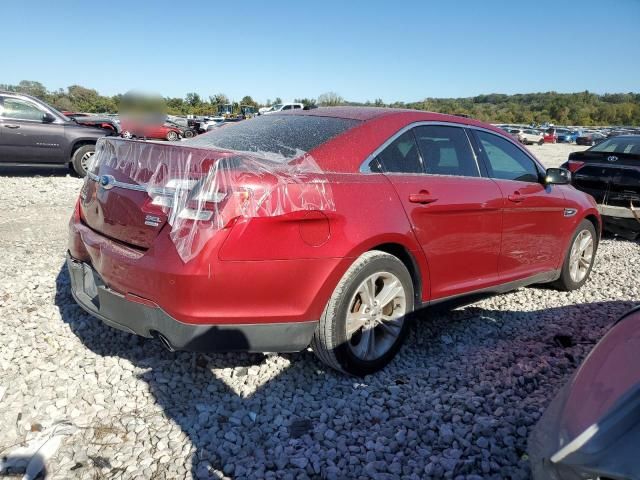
(48,118)
(557,176)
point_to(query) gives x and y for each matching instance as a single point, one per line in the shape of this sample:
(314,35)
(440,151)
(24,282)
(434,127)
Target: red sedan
(159,130)
(324,227)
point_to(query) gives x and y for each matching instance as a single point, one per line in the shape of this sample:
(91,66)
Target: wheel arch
(81,142)
(408,259)
(597,224)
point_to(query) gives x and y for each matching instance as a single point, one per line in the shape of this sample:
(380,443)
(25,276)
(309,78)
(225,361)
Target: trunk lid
(132,187)
(134,190)
(611,178)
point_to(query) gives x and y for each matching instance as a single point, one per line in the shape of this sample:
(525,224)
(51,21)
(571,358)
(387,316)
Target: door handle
(516,197)
(423,197)
(11,125)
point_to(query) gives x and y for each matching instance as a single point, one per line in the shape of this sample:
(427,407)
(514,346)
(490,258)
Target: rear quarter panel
(367,214)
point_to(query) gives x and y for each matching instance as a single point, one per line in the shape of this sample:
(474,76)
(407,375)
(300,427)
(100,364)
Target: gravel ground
(458,402)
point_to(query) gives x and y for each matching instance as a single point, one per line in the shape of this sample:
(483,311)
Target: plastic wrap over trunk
(139,186)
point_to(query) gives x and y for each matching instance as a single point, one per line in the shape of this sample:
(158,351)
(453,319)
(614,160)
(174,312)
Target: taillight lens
(574,165)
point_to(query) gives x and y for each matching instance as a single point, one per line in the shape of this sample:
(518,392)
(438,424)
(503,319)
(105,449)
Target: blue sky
(394,50)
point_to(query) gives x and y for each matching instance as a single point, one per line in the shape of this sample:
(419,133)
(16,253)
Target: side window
(296,106)
(17,109)
(446,151)
(286,107)
(506,161)
(401,156)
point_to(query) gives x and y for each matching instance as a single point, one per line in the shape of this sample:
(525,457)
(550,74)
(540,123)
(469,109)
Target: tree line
(583,108)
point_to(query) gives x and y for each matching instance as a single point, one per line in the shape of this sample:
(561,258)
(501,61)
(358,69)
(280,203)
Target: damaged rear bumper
(142,317)
(620,218)
(619,212)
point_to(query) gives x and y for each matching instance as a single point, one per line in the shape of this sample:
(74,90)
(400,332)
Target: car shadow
(463,374)
(33,171)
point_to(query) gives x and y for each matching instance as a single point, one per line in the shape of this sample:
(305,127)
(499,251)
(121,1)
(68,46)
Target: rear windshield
(619,145)
(280,135)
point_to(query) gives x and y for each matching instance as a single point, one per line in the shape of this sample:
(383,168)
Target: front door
(533,213)
(454,212)
(25,136)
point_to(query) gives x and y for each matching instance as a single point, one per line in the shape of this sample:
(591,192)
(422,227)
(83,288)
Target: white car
(210,122)
(529,136)
(280,107)
(526,136)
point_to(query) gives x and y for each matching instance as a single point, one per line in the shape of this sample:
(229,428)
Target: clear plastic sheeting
(201,189)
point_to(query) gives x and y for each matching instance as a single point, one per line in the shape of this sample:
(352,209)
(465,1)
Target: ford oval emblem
(107,182)
(612,158)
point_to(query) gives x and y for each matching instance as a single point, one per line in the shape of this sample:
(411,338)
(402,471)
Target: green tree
(330,99)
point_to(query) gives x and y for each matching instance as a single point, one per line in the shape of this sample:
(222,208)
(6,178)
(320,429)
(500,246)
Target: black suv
(34,133)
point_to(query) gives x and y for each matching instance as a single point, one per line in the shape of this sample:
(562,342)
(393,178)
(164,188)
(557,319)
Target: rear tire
(352,335)
(581,255)
(189,134)
(127,134)
(80,159)
(172,136)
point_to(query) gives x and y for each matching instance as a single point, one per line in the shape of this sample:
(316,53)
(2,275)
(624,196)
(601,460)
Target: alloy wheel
(84,161)
(581,256)
(376,315)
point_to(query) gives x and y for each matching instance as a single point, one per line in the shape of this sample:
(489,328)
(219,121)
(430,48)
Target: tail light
(574,165)
(190,199)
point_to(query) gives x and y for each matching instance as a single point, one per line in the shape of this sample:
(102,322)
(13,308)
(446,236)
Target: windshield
(284,136)
(619,145)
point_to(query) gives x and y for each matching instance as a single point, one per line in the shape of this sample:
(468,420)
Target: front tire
(365,322)
(580,257)
(541,142)
(80,159)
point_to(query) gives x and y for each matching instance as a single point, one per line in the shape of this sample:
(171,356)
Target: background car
(592,427)
(108,123)
(186,131)
(550,135)
(564,135)
(281,107)
(149,128)
(610,172)
(530,136)
(34,133)
(591,138)
(274,206)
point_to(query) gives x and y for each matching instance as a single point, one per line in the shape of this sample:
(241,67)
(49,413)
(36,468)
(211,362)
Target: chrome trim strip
(130,186)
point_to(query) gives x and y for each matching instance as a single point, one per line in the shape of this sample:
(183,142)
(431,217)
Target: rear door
(25,136)
(455,213)
(534,221)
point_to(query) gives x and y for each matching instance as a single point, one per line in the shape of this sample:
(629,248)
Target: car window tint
(506,161)
(20,110)
(446,151)
(286,107)
(401,156)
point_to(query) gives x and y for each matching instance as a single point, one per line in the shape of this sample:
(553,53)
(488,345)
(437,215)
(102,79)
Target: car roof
(366,114)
